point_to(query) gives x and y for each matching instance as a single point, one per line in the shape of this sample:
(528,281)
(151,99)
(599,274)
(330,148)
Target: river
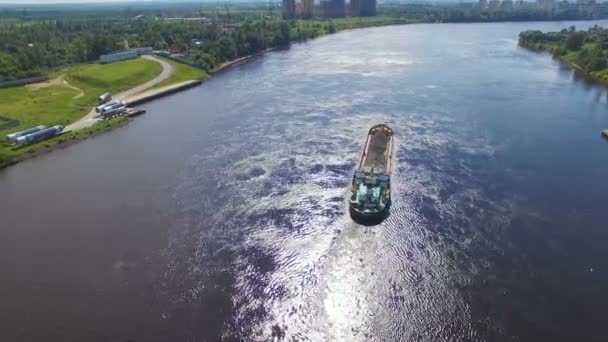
(221,214)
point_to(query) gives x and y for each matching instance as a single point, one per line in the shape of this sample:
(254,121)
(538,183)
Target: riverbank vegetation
(514,11)
(69,96)
(42,38)
(11,155)
(56,40)
(585,50)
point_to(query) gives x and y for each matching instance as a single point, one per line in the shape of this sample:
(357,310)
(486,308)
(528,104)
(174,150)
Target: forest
(34,48)
(42,39)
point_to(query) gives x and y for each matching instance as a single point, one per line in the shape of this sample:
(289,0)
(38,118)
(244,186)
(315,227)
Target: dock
(152,94)
(131,112)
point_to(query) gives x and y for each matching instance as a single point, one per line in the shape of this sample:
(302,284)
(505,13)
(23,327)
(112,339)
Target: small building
(118,56)
(142,51)
(176,50)
(125,55)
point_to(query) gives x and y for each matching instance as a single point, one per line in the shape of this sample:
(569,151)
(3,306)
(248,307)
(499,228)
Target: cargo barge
(371,184)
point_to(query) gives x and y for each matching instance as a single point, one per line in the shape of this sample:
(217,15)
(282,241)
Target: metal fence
(168,56)
(23,81)
(6,123)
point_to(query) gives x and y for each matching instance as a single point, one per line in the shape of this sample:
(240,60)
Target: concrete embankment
(152,94)
(227,65)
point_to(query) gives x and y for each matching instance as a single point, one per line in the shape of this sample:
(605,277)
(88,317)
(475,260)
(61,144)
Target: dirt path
(167,72)
(90,119)
(59,81)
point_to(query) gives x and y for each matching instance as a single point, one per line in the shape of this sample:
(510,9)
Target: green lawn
(31,108)
(46,106)
(183,73)
(57,104)
(97,79)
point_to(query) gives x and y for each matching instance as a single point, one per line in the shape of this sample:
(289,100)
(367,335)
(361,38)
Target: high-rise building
(355,8)
(289,9)
(362,8)
(506,5)
(493,5)
(308,9)
(369,8)
(519,4)
(324,8)
(546,4)
(337,9)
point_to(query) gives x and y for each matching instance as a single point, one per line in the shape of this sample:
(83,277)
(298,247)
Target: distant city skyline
(47,2)
(20,2)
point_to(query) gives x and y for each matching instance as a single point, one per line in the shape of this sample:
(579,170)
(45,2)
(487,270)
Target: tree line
(33,47)
(30,49)
(587,49)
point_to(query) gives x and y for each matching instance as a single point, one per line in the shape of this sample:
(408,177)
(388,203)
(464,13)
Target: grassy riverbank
(71,94)
(586,51)
(183,73)
(73,91)
(68,97)
(10,156)
(96,79)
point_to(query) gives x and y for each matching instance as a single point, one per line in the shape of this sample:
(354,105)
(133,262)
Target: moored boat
(371,184)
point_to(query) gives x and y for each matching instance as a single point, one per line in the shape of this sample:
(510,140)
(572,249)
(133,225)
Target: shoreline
(223,67)
(575,67)
(238,61)
(62,145)
(172,89)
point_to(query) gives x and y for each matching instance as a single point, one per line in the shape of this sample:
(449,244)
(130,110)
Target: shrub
(575,40)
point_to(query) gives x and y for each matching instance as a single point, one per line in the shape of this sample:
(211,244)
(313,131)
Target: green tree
(575,40)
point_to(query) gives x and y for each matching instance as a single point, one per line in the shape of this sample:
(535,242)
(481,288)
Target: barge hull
(371,192)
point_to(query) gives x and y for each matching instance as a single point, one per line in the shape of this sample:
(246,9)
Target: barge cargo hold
(371,185)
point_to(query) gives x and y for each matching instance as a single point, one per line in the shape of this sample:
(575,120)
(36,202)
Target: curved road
(90,119)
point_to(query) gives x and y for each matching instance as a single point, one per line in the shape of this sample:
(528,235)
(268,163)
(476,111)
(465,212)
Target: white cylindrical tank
(11,138)
(39,136)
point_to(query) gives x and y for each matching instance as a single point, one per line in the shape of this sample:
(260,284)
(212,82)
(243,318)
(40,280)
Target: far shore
(223,67)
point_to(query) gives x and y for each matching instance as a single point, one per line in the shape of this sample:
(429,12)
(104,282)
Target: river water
(221,214)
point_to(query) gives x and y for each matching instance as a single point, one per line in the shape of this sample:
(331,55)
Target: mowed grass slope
(183,73)
(46,106)
(59,104)
(113,78)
